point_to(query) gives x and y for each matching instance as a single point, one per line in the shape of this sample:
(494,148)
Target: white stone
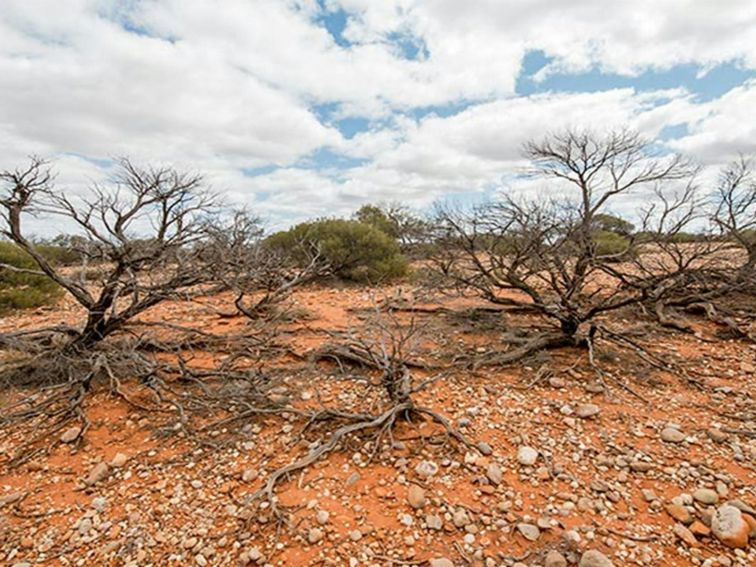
(527,456)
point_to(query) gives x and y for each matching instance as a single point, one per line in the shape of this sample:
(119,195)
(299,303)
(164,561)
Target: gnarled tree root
(383,423)
(541,342)
(713,315)
(671,321)
(356,354)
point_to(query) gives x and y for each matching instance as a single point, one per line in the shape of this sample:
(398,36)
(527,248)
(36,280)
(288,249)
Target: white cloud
(724,128)
(219,87)
(623,37)
(473,151)
(85,85)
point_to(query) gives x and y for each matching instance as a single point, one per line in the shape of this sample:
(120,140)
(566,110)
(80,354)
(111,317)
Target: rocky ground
(636,466)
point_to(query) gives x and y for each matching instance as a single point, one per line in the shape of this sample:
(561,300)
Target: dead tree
(145,231)
(673,266)
(384,346)
(544,255)
(702,274)
(723,290)
(261,277)
(735,213)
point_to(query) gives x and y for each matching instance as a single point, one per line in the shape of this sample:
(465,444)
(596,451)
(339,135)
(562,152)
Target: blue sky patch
(704,86)
(257,171)
(325,158)
(335,22)
(441,110)
(329,115)
(408,46)
(673,132)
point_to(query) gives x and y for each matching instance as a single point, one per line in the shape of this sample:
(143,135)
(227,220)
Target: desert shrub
(20,290)
(355,251)
(148,239)
(376,217)
(399,222)
(612,244)
(605,222)
(683,237)
(647,237)
(749,237)
(559,246)
(59,255)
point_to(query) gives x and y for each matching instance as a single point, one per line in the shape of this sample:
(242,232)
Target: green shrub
(59,255)
(355,251)
(749,237)
(411,232)
(686,237)
(19,290)
(374,216)
(612,244)
(677,238)
(603,222)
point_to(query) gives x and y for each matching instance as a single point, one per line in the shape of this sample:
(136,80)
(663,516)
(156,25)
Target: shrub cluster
(20,290)
(355,251)
(612,245)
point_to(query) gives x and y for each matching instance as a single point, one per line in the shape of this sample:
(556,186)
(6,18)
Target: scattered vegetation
(547,255)
(613,246)
(735,213)
(563,264)
(261,272)
(168,208)
(383,346)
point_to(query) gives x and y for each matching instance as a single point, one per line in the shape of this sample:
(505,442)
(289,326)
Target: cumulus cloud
(88,86)
(624,37)
(237,89)
(724,127)
(478,148)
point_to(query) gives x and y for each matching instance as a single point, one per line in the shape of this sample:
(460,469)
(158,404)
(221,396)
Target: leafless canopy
(143,231)
(735,213)
(546,255)
(261,276)
(145,237)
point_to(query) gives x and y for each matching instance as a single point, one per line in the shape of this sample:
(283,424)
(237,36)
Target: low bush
(59,255)
(355,251)
(19,290)
(612,244)
(749,237)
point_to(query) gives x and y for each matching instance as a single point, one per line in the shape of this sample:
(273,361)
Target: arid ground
(630,460)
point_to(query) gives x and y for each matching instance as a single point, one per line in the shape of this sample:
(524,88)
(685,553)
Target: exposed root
(649,357)
(743,432)
(632,537)
(383,424)
(50,409)
(541,342)
(671,321)
(646,355)
(36,339)
(543,373)
(600,373)
(356,354)
(61,384)
(721,319)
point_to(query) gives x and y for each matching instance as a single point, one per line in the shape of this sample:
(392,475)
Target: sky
(307,108)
